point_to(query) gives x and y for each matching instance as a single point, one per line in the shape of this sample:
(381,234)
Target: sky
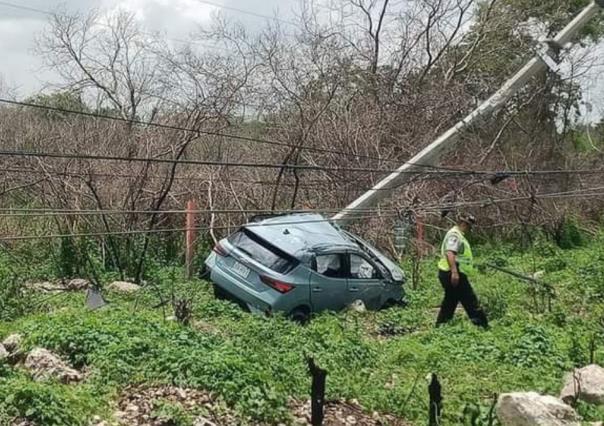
(23,71)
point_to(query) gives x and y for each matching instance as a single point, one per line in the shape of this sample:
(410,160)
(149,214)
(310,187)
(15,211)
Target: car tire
(393,303)
(219,293)
(204,272)
(300,315)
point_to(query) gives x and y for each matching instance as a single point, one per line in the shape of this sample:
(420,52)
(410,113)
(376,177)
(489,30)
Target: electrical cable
(49,13)
(225,135)
(587,192)
(6,153)
(27,212)
(195,131)
(161,231)
(247,12)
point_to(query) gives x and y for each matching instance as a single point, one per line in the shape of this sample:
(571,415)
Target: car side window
(331,265)
(360,268)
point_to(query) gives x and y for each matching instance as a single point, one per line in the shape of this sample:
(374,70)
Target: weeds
(257,364)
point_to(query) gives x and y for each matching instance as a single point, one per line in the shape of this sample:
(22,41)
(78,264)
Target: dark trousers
(462,293)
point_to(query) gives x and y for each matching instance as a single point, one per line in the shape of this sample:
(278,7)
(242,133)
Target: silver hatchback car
(302,263)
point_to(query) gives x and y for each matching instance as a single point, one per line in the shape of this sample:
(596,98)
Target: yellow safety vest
(464,257)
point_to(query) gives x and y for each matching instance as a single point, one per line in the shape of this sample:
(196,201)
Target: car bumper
(394,293)
(237,291)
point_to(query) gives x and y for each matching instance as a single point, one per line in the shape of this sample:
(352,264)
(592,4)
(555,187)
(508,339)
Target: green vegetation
(256,364)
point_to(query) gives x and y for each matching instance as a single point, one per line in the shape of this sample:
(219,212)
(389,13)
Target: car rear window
(262,252)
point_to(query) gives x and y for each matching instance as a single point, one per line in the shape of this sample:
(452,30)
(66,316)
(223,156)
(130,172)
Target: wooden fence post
(317,397)
(436,401)
(190,238)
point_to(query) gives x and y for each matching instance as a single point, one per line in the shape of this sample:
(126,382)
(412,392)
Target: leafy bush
(13,302)
(46,403)
(169,414)
(255,364)
(567,234)
(494,303)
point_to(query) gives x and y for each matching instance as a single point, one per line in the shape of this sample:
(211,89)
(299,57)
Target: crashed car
(299,264)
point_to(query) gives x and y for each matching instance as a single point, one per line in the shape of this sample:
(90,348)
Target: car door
(365,281)
(329,282)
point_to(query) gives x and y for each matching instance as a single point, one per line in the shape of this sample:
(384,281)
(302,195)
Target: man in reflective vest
(454,267)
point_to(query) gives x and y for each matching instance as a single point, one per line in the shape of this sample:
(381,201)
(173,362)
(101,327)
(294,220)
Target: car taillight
(219,250)
(280,286)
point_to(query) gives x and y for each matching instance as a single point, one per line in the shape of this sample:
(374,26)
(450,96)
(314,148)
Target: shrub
(567,234)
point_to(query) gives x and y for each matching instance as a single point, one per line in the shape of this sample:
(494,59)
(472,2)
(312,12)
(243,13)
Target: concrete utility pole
(431,154)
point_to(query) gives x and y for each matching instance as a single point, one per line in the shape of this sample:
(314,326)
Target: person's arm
(451,255)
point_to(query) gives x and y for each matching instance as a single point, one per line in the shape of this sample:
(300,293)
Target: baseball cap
(468,218)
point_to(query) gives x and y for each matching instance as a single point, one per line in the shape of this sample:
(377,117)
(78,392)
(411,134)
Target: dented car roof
(302,234)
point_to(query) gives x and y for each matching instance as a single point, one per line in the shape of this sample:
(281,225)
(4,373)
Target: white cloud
(166,10)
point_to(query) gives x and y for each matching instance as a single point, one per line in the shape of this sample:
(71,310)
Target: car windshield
(262,252)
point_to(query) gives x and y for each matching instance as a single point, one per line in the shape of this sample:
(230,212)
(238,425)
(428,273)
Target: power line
(263,141)
(579,193)
(49,13)
(315,183)
(18,211)
(227,135)
(270,142)
(217,134)
(198,132)
(31,212)
(312,184)
(161,231)
(26,8)
(576,193)
(247,12)
(227,164)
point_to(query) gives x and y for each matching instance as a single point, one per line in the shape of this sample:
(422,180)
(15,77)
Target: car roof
(302,234)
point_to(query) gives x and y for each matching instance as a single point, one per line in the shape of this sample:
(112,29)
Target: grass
(255,365)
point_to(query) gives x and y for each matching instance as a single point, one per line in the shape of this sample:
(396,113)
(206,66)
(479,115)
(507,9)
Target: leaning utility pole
(431,154)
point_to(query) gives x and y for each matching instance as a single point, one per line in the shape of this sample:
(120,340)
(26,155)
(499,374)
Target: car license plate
(241,270)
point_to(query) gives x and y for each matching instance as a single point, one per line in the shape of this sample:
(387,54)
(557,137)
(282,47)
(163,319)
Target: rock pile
(532,409)
(10,349)
(44,365)
(585,384)
(76,284)
(138,406)
(124,287)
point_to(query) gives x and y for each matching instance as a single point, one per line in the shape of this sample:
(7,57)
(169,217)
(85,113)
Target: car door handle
(353,289)
(317,290)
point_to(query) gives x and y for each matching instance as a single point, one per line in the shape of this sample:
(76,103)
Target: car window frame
(368,260)
(344,262)
(368,252)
